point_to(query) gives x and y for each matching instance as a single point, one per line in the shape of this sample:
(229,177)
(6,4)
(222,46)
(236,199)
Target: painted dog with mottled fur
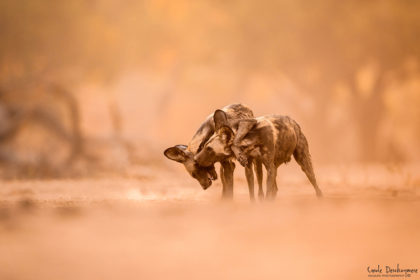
(269,139)
(205,174)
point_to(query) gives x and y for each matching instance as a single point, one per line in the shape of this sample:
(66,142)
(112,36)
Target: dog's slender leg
(250,179)
(222,178)
(275,189)
(259,173)
(228,168)
(303,158)
(271,182)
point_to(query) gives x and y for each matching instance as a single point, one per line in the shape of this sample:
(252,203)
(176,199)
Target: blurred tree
(321,45)
(49,48)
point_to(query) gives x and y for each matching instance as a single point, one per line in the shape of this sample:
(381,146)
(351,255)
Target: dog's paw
(243,160)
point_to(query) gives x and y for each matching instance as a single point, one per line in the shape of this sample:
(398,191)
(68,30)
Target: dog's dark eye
(208,149)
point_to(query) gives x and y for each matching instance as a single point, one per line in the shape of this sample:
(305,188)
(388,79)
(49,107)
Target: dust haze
(92,92)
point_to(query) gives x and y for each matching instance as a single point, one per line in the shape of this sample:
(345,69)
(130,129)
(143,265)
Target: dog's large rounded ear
(227,134)
(176,153)
(244,126)
(220,119)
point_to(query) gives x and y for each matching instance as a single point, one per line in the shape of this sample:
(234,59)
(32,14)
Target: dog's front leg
(250,179)
(259,173)
(271,181)
(226,171)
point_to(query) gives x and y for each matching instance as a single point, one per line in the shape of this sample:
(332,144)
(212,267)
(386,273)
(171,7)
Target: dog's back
(273,137)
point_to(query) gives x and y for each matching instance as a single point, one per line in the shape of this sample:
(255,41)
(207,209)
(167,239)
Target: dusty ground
(159,224)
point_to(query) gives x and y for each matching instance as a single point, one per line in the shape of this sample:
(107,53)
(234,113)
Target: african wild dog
(270,139)
(205,174)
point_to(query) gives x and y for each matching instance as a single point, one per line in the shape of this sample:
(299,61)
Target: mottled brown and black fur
(269,139)
(205,172)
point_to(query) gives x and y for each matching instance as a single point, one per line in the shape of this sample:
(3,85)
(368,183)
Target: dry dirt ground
(157,223)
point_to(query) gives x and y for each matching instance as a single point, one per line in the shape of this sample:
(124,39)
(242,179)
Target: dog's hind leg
(303,158)
(271,182)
